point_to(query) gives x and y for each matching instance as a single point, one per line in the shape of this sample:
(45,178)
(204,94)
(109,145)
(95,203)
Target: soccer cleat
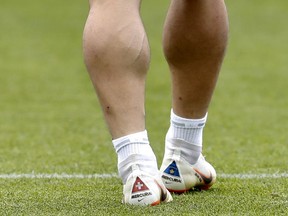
(179,176)
(144,189)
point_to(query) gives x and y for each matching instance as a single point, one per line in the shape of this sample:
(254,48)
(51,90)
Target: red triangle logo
(139,185)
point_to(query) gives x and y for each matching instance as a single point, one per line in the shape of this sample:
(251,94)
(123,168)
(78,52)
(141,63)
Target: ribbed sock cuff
(189,130)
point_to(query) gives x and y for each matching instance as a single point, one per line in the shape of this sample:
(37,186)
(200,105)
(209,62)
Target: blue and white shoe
(180,176)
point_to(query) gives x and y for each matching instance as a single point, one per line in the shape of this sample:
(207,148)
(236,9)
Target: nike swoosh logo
(207,180)
(139,200)
(163,192)
(168,182)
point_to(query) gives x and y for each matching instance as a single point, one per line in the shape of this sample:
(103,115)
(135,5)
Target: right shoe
(144,189)
(180,176)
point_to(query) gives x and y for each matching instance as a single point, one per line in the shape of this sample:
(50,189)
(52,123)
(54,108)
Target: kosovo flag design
(172,170)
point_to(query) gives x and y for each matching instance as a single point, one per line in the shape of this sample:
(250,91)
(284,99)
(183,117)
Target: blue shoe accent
(172,170)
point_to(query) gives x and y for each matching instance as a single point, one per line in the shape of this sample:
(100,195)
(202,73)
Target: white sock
(135,149)
(186,135)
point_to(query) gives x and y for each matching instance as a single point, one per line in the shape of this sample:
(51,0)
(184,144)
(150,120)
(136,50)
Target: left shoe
(143,189)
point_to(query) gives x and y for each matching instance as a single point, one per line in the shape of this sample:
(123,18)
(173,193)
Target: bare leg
(117,56)
(195,38)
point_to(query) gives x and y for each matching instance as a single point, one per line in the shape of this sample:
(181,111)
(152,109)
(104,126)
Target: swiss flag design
(139,185)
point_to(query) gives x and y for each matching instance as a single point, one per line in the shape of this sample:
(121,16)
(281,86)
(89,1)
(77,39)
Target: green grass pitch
(50,121)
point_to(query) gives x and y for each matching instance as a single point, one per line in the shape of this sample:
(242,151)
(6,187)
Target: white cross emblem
(139,185)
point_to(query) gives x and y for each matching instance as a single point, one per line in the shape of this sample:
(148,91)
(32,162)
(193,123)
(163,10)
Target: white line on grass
(253,176)
(115,175)
(57,176)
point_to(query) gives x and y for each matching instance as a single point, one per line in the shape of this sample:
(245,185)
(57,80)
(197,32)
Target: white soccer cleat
(144,189)
(179,176)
